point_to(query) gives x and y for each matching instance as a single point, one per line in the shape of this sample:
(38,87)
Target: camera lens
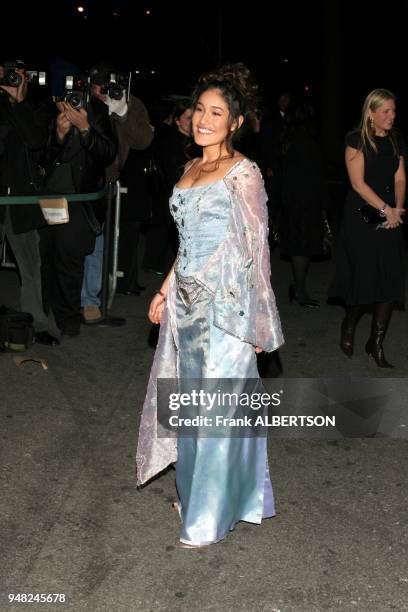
(75,100)
(13,79)
(115,91)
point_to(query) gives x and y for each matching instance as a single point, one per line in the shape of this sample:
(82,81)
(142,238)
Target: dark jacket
(23,135)
(77,165)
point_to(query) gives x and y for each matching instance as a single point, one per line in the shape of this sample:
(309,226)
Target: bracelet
(382,210)
(160,292)
(84,131)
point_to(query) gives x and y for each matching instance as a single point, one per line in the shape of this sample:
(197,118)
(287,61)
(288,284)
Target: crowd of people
(67,146)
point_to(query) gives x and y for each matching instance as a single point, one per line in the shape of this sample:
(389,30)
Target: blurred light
(80,9)
(148,12)
(285,60)
(152,72)
(137,71)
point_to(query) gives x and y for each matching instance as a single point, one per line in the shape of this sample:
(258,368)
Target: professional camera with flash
(115,85)
(76,92)
(111,81)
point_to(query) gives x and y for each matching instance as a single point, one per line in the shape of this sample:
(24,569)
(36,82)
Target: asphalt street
(74,523)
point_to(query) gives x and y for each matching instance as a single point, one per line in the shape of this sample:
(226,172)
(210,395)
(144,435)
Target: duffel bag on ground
(16,329)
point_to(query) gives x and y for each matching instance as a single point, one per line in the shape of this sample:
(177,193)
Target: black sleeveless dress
(370,262)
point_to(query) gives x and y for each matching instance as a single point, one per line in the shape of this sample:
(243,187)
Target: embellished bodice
(202,216)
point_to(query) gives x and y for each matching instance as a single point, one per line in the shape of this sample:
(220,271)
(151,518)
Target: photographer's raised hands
(78,118)
(69,117)
(63,124)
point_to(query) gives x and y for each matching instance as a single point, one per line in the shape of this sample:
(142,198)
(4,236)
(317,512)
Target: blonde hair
(373,101)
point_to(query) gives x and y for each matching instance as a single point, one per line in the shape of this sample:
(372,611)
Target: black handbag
(369,214)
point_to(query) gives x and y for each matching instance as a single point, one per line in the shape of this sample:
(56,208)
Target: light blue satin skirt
(220,481)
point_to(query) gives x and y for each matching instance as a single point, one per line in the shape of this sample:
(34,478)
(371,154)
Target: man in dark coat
(81,145)
(23,133)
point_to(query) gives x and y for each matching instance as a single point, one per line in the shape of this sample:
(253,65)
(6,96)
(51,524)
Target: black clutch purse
(369,214)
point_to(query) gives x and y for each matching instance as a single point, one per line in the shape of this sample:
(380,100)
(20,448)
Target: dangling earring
(372,123)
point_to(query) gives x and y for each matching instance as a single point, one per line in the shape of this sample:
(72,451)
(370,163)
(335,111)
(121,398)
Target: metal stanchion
(108,321)
(115,247)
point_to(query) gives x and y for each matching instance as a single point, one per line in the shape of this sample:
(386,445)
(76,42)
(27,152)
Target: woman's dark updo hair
(238,88)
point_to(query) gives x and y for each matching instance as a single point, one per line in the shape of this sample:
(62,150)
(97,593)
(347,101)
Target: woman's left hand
(258,349)
(393,217)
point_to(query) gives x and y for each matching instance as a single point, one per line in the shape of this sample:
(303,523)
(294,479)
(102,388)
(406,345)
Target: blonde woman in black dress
(370,259)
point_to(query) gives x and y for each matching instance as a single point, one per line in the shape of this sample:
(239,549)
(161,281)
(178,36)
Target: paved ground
(73,521)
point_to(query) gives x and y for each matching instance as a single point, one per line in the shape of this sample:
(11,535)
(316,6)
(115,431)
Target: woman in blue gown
(217,310)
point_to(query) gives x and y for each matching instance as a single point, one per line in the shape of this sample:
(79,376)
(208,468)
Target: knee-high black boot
(374,346)
(348,327)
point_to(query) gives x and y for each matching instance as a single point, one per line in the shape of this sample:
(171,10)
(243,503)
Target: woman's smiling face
(383,118)
(210,121)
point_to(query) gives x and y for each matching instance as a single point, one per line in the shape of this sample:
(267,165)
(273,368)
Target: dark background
(336,51)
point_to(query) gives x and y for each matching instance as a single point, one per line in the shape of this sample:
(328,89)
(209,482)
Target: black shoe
(305,303)
(45,338)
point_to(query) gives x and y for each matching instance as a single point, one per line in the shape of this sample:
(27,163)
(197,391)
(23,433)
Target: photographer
(130,122)
(23,133)
(80,146)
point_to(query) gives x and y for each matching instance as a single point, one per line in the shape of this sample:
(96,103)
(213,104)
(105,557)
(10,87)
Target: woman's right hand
(393,217)
(156,308)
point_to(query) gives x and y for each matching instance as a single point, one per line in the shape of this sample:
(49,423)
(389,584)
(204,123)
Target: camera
(10,77)
(112,82)
(115,85)
(76,92)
